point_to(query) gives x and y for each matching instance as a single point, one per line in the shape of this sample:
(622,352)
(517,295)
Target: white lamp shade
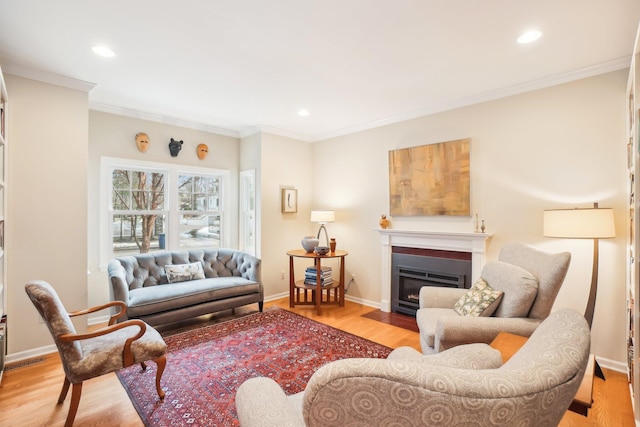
(591,223)
(323,217)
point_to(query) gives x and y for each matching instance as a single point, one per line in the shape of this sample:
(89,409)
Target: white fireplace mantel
(474,243)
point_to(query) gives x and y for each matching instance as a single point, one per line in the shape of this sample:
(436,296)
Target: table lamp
(582,223)
(322,218)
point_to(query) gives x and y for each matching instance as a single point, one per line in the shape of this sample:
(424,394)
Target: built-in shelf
(633,239)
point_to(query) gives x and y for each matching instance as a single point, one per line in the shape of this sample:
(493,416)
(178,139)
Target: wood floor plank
(28,394)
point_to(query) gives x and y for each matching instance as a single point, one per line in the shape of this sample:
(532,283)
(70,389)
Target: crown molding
(52,78)
(274,131)
(48,77)
(137,114)
(591,71)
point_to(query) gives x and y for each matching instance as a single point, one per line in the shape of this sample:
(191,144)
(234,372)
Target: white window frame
(248,211)
(172,241)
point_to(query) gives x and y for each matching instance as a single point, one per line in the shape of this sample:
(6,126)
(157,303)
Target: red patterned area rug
(205,366)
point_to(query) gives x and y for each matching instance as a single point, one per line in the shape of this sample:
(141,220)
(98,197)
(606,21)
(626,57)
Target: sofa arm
(260,402)
(440,297)
(456,330)
(249,268)
(118,279)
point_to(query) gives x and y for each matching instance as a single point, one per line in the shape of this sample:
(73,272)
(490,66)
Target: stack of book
(311,278)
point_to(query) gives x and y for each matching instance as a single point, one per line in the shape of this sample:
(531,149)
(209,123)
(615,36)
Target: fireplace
(413,268)
(474,244)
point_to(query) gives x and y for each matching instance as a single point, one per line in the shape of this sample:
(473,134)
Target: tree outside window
(139,214)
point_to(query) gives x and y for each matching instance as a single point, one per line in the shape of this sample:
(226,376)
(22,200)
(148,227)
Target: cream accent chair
(463,386)
(520,311)
(106,350)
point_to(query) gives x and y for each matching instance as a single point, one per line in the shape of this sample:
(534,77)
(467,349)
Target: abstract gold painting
(430,180)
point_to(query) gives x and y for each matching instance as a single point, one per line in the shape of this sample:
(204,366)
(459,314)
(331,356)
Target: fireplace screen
(410,272)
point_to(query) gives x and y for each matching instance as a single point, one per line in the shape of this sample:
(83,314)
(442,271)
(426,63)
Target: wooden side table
(317,295)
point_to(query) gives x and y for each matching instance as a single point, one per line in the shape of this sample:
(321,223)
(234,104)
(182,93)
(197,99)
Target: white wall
(285,163)
(113,135)
(47,217)
(562,146)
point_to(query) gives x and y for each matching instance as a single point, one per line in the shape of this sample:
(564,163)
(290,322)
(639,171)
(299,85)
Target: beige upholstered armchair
(96,353)
(465,385)
(527,281)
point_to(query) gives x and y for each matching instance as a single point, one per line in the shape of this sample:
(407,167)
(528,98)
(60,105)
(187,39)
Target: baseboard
(276,296)
(363,301)
(612,364)
(31,353)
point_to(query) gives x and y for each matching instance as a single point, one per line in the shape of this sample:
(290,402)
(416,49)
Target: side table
(317,295)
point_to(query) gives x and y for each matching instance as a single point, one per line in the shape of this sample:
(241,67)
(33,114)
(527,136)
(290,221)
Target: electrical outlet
(353,277)
(282,275)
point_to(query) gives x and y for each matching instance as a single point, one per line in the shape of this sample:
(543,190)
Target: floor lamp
(583,223)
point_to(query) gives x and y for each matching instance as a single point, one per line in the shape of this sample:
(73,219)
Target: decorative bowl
(321,250)
(309,243)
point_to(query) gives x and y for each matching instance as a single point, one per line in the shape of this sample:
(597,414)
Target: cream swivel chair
(465,385)
(528,281)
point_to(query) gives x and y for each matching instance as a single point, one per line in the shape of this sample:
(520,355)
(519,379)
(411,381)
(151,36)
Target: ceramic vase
(309,243)
(332,244)
(384,222)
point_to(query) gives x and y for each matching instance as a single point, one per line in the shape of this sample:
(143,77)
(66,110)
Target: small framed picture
(289,200)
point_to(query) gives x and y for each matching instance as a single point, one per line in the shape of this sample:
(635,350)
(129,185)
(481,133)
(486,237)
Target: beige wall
(112,135)
(557,147)
(285,163)
(47,200)
(562,146)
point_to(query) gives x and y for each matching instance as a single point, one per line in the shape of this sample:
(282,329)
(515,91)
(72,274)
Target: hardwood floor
(28,394)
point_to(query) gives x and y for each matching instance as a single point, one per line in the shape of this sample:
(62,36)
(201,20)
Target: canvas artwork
(430,180)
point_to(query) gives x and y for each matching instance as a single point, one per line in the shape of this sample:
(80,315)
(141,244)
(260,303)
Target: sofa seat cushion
(426,318)
(155,299)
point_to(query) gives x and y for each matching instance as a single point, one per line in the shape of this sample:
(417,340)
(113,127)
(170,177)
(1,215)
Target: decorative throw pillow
(479,300)
(519,286)
(183,272)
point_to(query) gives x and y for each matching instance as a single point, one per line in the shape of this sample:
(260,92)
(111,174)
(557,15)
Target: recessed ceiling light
(303,113)
(103,51)
(529,36)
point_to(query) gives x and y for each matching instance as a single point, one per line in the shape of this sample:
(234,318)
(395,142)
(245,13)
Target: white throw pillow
(184,272)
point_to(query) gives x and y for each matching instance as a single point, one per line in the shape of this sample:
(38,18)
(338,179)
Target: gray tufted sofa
(466,385)
(232,279)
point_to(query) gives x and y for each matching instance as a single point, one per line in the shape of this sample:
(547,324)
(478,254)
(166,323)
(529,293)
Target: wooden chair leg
(76,391)
(144,366)
(64,391)
(161,362)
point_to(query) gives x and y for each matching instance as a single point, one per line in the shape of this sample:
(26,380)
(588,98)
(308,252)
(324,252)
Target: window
(154,206)
(248,211)
(199,211)
(138,210)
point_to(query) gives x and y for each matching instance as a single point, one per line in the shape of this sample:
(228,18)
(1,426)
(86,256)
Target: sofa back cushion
(149,269)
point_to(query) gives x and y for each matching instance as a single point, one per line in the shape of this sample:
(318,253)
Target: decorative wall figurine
(175,147)
(142,141)
(202,151)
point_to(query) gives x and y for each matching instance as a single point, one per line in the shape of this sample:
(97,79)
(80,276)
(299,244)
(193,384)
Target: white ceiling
(238,66)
